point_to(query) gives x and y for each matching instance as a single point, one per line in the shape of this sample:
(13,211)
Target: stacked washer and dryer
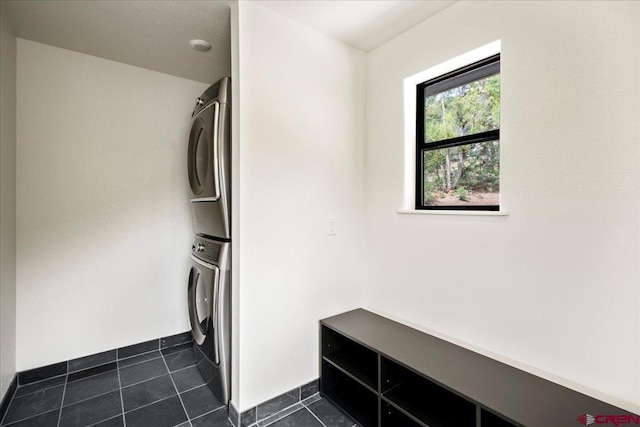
(209,286)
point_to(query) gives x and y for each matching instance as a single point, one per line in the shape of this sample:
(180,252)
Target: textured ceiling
(148,34)
(364,24)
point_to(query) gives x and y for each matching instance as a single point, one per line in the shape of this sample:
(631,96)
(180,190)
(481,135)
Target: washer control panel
(205,249)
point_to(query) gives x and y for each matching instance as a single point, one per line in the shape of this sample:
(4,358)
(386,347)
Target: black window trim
(458,77)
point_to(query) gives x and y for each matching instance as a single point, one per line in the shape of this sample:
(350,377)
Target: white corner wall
(104,224)
(554,287)
(301,159)
(7,205)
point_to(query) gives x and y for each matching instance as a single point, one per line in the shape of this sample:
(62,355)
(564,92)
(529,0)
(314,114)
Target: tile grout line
(159,349)
(206,413)
(149,404)
(142,361)
(124,420)
(144,381)
(160,376)
(89,398)
(314,415)
(127,386)
(100,422)
(174,386)
(39,381)
(149,360)
(9,405)
(93,375)
(64,390)
(307,399)
(12,423)
(117,359)
(169,397)
(37,391)
(277,417)
(193,388)
(182,369)
(281,410)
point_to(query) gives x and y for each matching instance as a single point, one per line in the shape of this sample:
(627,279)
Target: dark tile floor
(157,388)
(153,389)
(312,412)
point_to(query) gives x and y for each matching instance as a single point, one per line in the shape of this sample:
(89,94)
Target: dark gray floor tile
(142,372)
(42,373)
(180,360)
(233,414)
(313,398)
(330,415)
(112,422)
(301,418)
(199,401)
(177,339)
(136,349)
(40,385)
(218,418)
(92,411)
(177,348)
(34,404)
(309,389)
(48,419)
(87,388)
(139,359)
(8,396)
(166,413)
(275,417)
(248,417)
(147,392)
(92,360)
(278,403)
(76,376)
(187,379)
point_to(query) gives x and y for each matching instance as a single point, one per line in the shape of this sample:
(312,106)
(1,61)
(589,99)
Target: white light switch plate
(331,225)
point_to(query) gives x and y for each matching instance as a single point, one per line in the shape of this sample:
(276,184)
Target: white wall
(554,287)
(104,224)
(301,159)
(7,205)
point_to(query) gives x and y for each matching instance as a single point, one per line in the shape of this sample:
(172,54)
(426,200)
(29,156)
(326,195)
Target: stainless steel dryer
(209,161)
(210,312)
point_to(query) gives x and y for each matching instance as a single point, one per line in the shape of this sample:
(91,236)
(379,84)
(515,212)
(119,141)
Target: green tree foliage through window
(458,168)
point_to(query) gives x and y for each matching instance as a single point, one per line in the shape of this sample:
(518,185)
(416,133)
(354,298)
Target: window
(458,139)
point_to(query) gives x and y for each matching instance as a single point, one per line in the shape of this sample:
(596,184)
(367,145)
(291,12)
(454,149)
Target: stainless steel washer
(210,312)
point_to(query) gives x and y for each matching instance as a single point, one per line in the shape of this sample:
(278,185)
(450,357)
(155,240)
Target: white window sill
(442,212)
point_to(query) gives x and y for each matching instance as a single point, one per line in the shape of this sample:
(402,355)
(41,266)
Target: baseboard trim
(273,409)
(95,361)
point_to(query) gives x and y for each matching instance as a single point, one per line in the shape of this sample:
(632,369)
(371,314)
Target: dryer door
(203,279)
(203,155)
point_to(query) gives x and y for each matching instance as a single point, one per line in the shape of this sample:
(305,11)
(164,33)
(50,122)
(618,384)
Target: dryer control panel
(206,250)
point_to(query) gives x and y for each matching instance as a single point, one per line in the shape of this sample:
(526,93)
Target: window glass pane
(464,110)
(466,175)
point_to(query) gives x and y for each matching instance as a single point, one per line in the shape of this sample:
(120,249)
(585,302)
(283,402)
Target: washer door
(203,281)
(204,154)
